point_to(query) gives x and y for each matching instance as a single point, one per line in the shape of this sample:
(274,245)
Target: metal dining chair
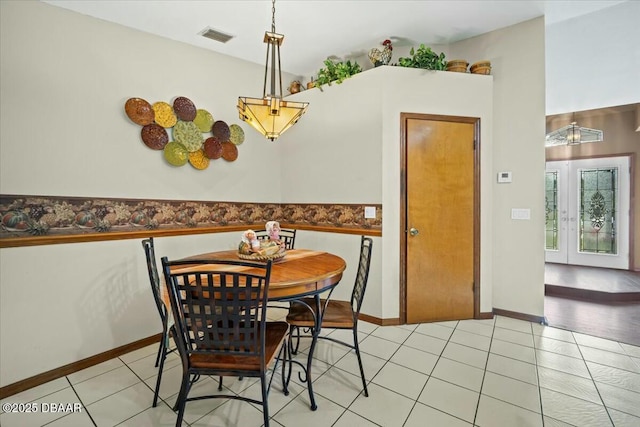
(336,314)
(220,312)
(154,279)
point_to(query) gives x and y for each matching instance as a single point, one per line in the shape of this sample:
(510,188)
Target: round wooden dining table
(300,273)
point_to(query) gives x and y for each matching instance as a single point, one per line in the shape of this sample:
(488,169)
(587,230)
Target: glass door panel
(598,211)
(551,210)
(556,216)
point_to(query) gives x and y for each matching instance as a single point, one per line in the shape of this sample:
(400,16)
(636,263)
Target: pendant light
(573,134)
(271,115)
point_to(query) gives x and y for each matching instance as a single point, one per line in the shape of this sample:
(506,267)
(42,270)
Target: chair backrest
(154,278)
(287,235)
(219,306)
(362,276)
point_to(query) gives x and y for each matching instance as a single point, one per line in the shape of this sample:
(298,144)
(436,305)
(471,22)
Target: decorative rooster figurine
(381,58)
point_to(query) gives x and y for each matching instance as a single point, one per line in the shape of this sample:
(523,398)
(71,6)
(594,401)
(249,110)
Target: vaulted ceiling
(315,30)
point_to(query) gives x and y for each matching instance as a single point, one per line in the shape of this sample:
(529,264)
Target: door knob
(413,231)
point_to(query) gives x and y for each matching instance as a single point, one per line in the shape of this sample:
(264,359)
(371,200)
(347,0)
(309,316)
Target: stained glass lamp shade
(573,134)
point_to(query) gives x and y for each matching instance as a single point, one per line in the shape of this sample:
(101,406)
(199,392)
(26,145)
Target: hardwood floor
(594,301)
(615,320)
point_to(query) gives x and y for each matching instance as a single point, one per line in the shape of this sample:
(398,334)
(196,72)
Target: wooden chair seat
(337,314)
(276,333)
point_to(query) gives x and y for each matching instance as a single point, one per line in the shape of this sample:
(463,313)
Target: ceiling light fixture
(572,135)
(270,115)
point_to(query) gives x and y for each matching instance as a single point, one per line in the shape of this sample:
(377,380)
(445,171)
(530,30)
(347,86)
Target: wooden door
(441,218)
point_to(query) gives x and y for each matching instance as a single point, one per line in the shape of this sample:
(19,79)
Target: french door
(587,212)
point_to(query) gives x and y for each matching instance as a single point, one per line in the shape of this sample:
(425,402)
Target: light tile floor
(499,372)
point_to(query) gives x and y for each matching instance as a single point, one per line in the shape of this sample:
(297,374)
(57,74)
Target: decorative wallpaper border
(39,220)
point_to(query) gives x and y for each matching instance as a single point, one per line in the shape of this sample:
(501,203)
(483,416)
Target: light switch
(370,212)
(504,177)
(520,213)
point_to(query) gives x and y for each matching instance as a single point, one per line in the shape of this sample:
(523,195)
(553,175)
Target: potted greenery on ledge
(424,58)
(336,71)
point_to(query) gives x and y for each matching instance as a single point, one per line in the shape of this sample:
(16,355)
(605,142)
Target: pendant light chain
(273,16)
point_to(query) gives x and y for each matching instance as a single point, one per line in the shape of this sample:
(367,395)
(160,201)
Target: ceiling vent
(216,35)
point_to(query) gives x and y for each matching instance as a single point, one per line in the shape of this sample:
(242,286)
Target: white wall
(593,60)
(429,92)
(513,279)
(517,58)
(63,303)
(347,246)
(64,80)
(334,155)
(351,151)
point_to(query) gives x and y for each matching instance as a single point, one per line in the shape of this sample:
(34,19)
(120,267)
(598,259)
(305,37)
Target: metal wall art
(183,132)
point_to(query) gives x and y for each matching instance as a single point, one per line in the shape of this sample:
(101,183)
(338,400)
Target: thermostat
(504,177)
